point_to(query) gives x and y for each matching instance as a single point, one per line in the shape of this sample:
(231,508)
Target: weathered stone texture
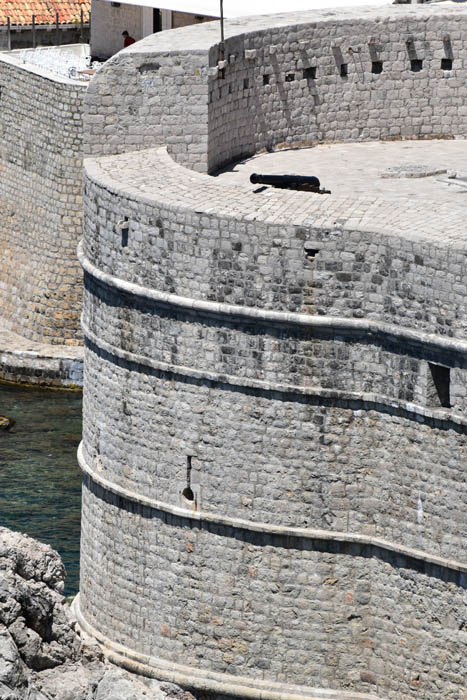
(179,93)
(285,459)
(285,88)
(42,656)
(272,608)
(200,238)
(163,93)
(278,354)
(275,387)
(40,204)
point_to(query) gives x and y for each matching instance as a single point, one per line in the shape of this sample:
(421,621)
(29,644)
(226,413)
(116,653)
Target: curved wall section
(40,203)
(274,500)
(279,614)
(271,418)
(355,80)
(298,460)
(191,235)
(287,80)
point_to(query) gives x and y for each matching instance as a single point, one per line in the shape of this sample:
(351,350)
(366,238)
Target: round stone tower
(274,499)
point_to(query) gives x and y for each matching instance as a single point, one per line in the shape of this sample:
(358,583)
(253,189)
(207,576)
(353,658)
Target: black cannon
(305,183)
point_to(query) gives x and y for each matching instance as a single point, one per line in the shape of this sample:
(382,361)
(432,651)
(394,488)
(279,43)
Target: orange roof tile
(21,11)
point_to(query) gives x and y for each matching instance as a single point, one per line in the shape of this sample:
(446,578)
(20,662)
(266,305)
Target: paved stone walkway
(358,169)
(23,360)
(358,199)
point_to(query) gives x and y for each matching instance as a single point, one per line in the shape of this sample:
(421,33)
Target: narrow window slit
(438,386)
(124,228)
(311,252)
(188,491)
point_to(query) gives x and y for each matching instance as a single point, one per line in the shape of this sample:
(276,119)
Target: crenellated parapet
(281,81)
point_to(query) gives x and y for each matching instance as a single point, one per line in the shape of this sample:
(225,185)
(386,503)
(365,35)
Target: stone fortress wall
(338,81)
(283,81)
(274,499)
(40,203)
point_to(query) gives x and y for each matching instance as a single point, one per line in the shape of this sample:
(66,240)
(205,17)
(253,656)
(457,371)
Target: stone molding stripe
(367,398)
(204,680)
(330,323)
(266,528)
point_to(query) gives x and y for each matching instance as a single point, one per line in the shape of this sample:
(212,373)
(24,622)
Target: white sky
(242,8)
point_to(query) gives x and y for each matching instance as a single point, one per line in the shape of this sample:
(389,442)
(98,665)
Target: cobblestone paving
(357,169)
(427,208)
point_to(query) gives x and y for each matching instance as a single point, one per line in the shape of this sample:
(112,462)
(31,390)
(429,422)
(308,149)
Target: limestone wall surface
(275,387)
(207,365)
(193,236)
(329,367)
(291,80)
(107,24)
(40,203)
(277,610)
(315,459)
(338,81)
(164,100)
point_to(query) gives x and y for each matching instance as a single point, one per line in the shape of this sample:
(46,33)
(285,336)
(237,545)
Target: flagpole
(222,24)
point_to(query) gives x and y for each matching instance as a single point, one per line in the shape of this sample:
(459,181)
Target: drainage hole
(188,494)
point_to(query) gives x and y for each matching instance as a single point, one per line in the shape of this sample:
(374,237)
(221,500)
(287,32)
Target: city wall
(40,203)
(325,365)
(390,73)
(244,613)
(275,388)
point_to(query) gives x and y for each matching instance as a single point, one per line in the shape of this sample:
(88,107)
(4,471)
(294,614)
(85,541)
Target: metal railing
(34,26)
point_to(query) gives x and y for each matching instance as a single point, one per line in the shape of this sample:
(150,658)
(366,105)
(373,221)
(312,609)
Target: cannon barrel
(306,183)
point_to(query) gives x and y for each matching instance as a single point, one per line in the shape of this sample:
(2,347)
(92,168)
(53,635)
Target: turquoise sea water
(40,481)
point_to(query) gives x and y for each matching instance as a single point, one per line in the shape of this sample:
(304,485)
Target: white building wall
(108,21)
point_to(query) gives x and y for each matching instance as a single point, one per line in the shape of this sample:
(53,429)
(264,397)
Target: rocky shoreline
(43,656)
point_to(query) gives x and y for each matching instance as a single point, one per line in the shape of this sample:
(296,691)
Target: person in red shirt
(127,39)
